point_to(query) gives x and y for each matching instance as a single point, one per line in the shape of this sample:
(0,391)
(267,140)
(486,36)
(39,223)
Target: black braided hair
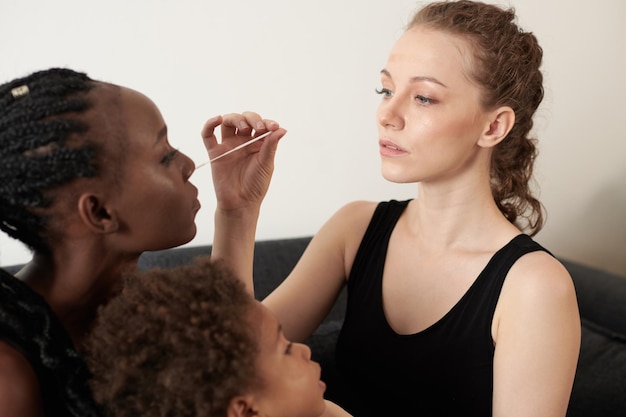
(38,115)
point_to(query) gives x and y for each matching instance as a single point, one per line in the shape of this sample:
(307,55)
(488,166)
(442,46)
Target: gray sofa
(600,384)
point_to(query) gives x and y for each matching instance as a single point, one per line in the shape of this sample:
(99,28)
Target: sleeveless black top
(28,324)
(444,370)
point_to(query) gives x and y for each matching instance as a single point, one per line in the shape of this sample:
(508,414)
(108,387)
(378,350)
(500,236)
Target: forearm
(240,181)
(233,241)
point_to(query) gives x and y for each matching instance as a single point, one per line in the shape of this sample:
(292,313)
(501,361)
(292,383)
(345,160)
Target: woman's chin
(395,176)
(183,238)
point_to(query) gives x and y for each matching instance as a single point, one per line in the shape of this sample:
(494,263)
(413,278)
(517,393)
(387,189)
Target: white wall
(313,66)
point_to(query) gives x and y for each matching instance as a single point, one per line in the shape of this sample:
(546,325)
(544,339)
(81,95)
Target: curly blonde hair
(176,342)
(505,63)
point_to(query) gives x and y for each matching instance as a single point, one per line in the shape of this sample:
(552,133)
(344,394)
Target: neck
(75,280)
(461,216)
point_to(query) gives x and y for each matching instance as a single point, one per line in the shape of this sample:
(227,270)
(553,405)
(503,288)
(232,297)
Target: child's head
(78,151)
(190,341)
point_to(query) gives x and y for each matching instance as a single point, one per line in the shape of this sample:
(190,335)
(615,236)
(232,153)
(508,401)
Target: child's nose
(305,350)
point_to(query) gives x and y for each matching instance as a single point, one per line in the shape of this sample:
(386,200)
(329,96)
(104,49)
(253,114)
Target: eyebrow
(162,133)
(417,78)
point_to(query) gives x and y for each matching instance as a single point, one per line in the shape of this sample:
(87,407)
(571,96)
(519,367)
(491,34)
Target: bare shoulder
(356,211)
(540,289)
(19,387)
(347,226)
(333,410)
(349,222)
(539,274)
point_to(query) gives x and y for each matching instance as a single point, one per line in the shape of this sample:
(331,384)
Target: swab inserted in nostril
(236,148)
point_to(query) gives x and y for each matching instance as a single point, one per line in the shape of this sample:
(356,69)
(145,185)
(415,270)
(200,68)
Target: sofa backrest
(600,383)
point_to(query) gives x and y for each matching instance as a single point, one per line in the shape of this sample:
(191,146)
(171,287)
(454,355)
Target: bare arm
(241,181)
(233,242)
(537,340)
(19,387)
(305,297)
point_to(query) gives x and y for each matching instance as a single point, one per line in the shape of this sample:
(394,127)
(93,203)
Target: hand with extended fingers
(241,179)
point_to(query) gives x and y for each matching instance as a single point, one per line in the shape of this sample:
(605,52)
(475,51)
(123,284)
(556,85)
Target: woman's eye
(385,92)
(423,100)
(169,157)
(288,349)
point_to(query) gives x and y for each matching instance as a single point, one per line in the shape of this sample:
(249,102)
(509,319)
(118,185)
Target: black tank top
(444,370)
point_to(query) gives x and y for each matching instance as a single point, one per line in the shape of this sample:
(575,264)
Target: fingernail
(243,125)
(260,125)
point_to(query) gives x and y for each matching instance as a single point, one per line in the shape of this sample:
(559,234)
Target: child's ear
(242,406)
(501,122)
(96,215)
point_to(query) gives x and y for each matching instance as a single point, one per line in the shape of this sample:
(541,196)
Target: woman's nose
(389,113)
(188,166)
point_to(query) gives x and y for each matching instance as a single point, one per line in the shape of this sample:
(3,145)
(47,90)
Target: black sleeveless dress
(444,370)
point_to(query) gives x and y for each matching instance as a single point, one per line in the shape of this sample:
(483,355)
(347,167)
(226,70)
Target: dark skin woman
(89,182)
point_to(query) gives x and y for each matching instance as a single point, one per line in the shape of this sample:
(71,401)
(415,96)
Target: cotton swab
(236,148)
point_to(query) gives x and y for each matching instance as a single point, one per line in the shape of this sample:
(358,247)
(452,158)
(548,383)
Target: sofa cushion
(601,297)
(273,261)
(171,258)
(322,343)
(600,383)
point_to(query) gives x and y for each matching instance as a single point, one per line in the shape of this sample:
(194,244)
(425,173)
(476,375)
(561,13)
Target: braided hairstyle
(43,145)
(505,63)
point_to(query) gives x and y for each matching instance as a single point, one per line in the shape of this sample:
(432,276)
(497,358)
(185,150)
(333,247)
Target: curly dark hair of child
(176,342)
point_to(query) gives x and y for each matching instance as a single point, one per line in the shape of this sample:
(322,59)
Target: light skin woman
(132,194)
(447,123)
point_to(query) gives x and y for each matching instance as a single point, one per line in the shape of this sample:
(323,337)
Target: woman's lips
(196,203)
(388,148)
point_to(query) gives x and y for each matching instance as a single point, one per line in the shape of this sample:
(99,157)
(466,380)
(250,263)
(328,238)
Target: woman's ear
(501,122)
(242,406)
(96,215)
